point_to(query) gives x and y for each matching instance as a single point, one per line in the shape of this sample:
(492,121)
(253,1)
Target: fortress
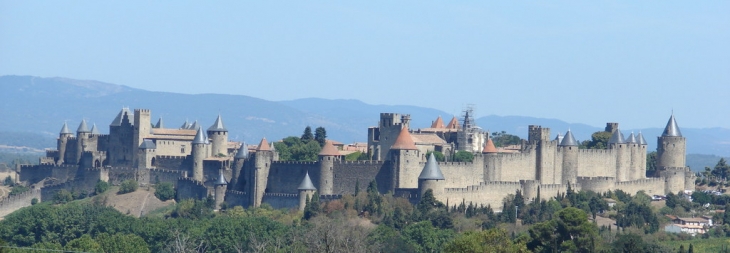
(202,163)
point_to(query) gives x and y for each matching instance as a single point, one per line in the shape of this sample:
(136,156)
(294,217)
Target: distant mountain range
(41,105)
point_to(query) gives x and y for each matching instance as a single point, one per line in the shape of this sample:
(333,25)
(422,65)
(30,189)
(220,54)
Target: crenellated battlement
(136,111)
(170,157)
(366,162)
(288,195)
(293,163)
(640,181)
(188,180)
(595,151)
(455,163)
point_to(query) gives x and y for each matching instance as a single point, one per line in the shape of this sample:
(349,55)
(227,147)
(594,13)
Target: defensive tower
(218,135)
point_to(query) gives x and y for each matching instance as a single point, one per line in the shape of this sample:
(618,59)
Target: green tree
(599,140)
(307,135)
(18,189)
(101,187)
(320,135)
(651,164)
(84,244)
(425,238)
(122,243)
(492,240)
(463,156)
(726,214)
(374,203)
(721,169)
(438,155)
(312,207)
(503,139)
(569,231)
(164,191)
(128,186)
(8,181)
(63,196)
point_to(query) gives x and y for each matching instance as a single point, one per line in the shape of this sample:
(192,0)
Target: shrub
(34,201)
(101,187)
(164,191)
(63,196)
(128,186)
(18,189)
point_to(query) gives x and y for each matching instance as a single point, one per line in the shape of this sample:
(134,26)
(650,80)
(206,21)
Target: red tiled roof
(404,141)
(263,145)
(454,123)
(439,123)
(329,149)
(489,147)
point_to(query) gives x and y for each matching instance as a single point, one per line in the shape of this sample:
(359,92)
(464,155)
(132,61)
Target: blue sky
(579,61)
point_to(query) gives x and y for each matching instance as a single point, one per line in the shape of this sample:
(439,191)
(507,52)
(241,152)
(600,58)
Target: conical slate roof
(453,124)
(200,137)
(148,144)
(306,183)
(118,120)
(431,171)
(221,179)
(263,145)
(568,139)
(617,138)
(82,127)
(559,138)
(329,150)
(439,123)
(242,151)
(640,139)
(194,126)
(672,129)
(94,130)
(185,125)
(160,124)
(632,139)
(489,147)
(404,141)
(64,129)
(218,125)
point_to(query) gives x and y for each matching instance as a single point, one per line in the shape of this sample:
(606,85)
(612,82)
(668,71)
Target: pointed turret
(94,130)
(185,125)
(439,123)
(306,183)
(195,125)
(559,138)
(453,124)
(431,170)
(263,145)
(329,150)
(160,124)
(64,129)
(242,151)
(617,138)
(489,147)
(640,139)
(672,128)
(218,125)
(404,141)
(632,139)
(200,137)
(221,179)
(568,139)
(82,127)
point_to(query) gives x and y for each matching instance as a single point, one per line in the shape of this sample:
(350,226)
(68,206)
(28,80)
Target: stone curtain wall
(285,177)
(349,173)
(12,203)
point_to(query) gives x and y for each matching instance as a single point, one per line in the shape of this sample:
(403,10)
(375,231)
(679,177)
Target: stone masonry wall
(187,188)
(459,174)
(487,194)
(597,163)
(348,174)
(281,200)
(13,203)
(285,177)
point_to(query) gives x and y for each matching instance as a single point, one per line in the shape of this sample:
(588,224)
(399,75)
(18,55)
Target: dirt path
(144,203)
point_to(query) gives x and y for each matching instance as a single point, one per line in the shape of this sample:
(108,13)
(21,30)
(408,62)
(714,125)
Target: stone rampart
(166,176)
(188,188)
(285,177)
(513,166)
(349,174)
(172,162)
(548,191)
(117,175)
(597,184)
(597,163)
(11,204)
(650,186)
(281,200)
(35,173)
(459,174)
(487,194)
(237,198)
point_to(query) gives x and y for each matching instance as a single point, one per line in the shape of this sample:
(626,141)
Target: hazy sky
(579,61)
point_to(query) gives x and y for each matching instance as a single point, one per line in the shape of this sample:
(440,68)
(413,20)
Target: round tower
(634,149)
(220,190)
(405,159)
(238,162)
(62,142)
(431,177)
(82,136)
(623,155)
(569,148)
(327,158)
(641,171)
(256,184)
(218,135)
(491,172)
(671,146)
(306,191)
(199,153)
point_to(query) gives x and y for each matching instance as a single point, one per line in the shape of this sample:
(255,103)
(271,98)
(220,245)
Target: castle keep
(204,163)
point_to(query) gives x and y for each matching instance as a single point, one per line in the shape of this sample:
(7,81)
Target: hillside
(48,102)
